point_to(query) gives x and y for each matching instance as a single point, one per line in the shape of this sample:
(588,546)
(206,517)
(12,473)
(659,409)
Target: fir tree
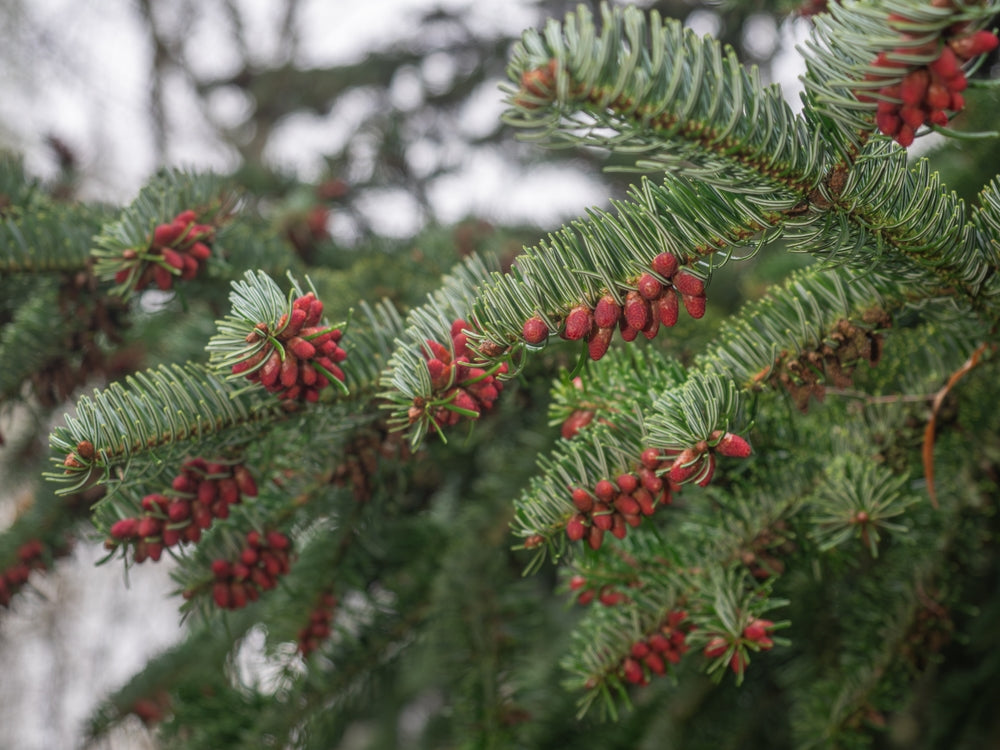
(777,527)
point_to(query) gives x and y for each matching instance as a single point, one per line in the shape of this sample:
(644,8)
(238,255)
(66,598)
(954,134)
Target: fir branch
(856,499)
(618,389)
(49,236)
(843,81)
(681,103)
(604,638)
(913,225)
(162,199)
(61,336)
(17,190)
(371,340)
(795,317)
(248,244)
(542,511)
(407,381)
(877,656)
(623,379)
(711,601)
(684,416)
(695,224)
(281,343)
(153,409)
(754,527)
(900,220)
(256,300)
(26,342)
(914,228)
(986,219)
(714,557)
(197,659)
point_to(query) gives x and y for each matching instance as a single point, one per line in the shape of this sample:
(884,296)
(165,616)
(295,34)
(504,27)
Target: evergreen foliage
(789,511)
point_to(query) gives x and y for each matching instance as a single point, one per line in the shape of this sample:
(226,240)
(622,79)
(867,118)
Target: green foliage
(826,522)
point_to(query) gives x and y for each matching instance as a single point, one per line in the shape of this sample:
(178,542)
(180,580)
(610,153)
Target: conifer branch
(283,344)
(256,300)
(409,392)
(127,250)
(543,511)
(915,229)
(679,102)
(705,557)
(692,227)
(620,381)
(684,416)
(842,699)
(63,335)
(604,640)
(371,339)
(797,317)
(986,219)
(26,342)
(152,410)
(670,412)
(667,612)
(47,236)
(856,499)
(176,668)
(619,388)
(246,244)
(913,226)
(17,189)
(38,234)
(859,54)
(693,566)
(900,220)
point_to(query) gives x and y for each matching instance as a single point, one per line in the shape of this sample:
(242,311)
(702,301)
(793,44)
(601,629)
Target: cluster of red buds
(460,389)
(256,569)
(926,93)
(318,629)
(176,249)
(152,710)
(697,463)
(615,506)
(666,645)
(654,301)
(29,557)
(299,357)
(203,491)
(756,635)
(606,594)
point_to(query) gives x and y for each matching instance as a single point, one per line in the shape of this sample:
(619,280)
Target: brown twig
(939,397)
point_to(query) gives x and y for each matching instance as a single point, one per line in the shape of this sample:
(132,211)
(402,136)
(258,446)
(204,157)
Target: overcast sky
(83,71)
